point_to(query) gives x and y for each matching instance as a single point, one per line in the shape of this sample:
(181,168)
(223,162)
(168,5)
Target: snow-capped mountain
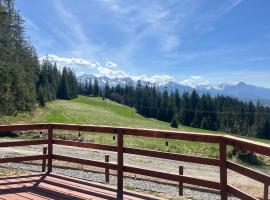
(218,86)
(245,91)
(111,81)
(240,90)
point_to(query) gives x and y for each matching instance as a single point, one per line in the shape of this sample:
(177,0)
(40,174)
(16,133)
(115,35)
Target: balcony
(51,184)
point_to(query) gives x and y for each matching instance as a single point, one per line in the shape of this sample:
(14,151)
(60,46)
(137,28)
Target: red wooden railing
(223,141)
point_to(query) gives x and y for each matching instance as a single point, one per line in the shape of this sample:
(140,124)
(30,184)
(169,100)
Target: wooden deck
(54,186)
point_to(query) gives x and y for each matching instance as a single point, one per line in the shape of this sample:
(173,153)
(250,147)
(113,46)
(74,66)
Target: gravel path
(194,170)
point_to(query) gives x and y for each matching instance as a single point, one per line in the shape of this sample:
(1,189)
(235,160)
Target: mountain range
(239,90)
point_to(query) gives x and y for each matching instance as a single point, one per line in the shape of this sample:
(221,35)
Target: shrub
(246,157)
(250,158)
(174,123)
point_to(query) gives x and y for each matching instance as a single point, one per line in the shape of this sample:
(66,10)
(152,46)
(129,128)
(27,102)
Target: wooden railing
(223,141)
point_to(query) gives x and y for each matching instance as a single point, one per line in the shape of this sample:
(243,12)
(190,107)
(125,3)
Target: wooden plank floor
(54,186)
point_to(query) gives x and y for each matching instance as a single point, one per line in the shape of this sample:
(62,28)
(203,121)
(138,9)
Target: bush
(250,158)
(246,157)
(174,123)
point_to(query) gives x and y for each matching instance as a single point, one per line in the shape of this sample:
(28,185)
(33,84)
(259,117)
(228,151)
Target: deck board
(31,183)
(55,186)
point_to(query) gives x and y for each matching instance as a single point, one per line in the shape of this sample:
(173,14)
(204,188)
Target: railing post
(50,147)
(223,169)
(44,159)
(107,172)
(120,167)
(266,191)
(181,172)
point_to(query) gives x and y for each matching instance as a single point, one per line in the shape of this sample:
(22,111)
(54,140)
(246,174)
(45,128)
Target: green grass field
(91,110)
(95,111)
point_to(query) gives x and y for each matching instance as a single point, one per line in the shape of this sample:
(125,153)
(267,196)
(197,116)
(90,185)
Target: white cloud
(206,22)
(116,7)
(196,77)
(104,71)
(194,81)
(170,43)
(68,61)
(188,82)
(110,64)
(198,81)
(141,12)
(228,7)
(160,79)
(79,41)
(155,20)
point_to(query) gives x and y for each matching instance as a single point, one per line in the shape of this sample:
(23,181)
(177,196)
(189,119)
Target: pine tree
(197,119)
(163,113)
(205,123)
(258,121)
(72,83)
(264,131)
(18,63)
(63,91)
(41,97)
(177,100)
(138,97)
(212,113)
(186,109)
(107,90)
(23,80)
(194,101)
(174,123)
(95,88)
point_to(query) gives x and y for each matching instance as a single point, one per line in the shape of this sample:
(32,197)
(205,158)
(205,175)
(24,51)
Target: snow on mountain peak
(158,80)
(197,82)
(236,89)
(216,86)
(222,86)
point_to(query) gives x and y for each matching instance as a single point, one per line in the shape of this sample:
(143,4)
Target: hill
(94,110)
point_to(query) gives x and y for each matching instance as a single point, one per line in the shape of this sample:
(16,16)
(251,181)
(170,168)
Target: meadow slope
(96,111)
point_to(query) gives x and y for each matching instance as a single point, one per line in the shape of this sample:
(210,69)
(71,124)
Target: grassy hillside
(90,110)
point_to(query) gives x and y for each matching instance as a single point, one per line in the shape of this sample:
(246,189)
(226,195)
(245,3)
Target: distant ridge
(239,90)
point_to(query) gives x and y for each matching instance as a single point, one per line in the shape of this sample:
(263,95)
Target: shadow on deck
(54,186)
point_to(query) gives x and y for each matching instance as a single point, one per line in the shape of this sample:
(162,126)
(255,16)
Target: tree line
(221,113)
(89,88)
(55,84)
(23,80)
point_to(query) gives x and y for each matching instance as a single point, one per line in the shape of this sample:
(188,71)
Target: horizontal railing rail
(86,145)
(85,162)
(258,176)
(239,194)
(172,156)
(173,177)
(221,162)
(196,137)
(21,159)
(23,143)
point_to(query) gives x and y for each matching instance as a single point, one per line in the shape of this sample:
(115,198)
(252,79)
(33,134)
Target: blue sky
(188,41)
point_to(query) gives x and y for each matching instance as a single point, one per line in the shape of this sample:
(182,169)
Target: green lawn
(95,111)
